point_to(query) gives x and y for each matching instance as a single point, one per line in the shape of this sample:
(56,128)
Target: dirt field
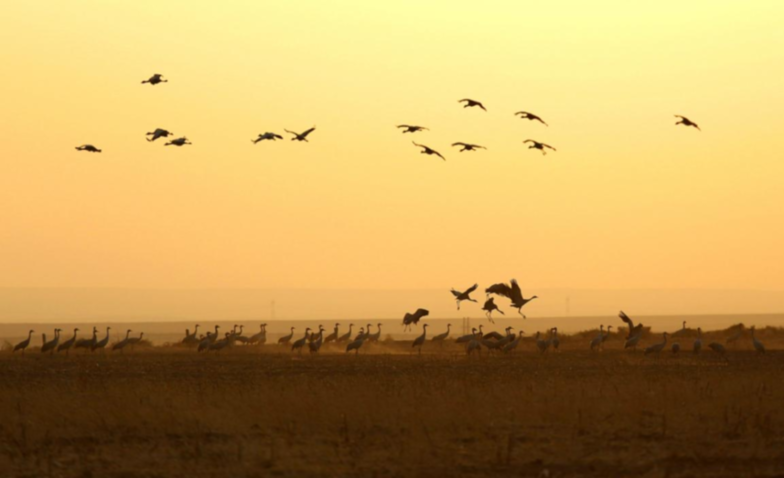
(166,412)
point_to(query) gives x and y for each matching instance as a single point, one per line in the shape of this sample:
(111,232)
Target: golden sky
(628,200)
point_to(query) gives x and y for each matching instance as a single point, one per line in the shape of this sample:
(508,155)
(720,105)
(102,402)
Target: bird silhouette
(469,103)
(656,348)
(426,150)
(686,122)
(757,344)
(468,146)
(155,79)
(159,133)
(530,116)
(512,292)
(540,146)
(267,135)
(465,295)
(409,128)
(634,330)
(414,318)
(489,307)
(89,148)
(178,142)
(301,136)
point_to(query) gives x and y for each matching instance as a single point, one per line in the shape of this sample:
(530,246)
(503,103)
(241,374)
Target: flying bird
(539,146)
(489,307)
(155,79)
(267,135)
(178,142)
(301,136)
(89,148)
(410,128)
(512,292)
(409,319)
(469,103)
(158,133)
(530,116)
(426,150)
(468,146)
(686,122)
(464,295)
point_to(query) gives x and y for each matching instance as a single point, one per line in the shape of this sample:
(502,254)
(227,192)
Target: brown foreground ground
(167,412)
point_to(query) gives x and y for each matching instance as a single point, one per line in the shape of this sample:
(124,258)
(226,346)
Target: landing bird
(426,150)
(155,79)
(23,344)
(512,292)
(539,146)
(268,136)
(410,128)
(301,136)
(530,116)
(178,142)
(471,103)
(489,307)
(465,295)
(757,344)
(686,122)
(468,146)
(89,148)
(159,133)
(409,319)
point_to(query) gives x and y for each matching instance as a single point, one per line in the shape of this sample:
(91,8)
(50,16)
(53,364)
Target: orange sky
(628,201)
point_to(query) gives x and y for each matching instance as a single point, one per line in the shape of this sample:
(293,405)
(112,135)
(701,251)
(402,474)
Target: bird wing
(420,145)
(522,113)
(464,99)
(517,294)
(438,154)
(548,146)
(455,293)
(500,289)
(307,132)
(681,117)
(421,313)
(472,288)
(403,126)
(291,132)
(481,105)
(529,141)
(459,144)
(626,319)
(478,146)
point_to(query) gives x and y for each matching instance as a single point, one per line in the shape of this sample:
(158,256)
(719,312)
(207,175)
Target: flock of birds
(407,128)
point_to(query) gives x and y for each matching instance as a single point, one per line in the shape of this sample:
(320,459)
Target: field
(167,411)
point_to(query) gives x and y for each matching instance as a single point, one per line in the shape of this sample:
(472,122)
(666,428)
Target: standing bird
(606,335)
(301,342)
(333,337)
(698,341)
(315,345)
(267,136)
(468,146)
(656,348)
(87,343)
(419,341)
(757,344)
(136,340)
(597,341)
(554,339)
(23,344)
(686,122)
(158,133)
(122,343)
(356,344)
(428,151)
(51,345)
(347,336)
(89,148)
(542,345)
(191,338)
(178,142)
(375,337)
(440,338)
(540,146)
(286,338)
(409,128)
(204,343)
(68,343)
(465,295)
(155,79)
(513,293)
(466,338)
(414,318)
(469,103)
(101,344)
(301,136)
(260,337)
(530,116)
(489,307)
(509,347)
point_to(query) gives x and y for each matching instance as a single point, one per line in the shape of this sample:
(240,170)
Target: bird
(239,337)
(362,334)
(530,116)
(428,151)
(178,142)
(464,295)
(51,345)
(286,338)
(490,344)
(474,345)
(259,338)
(297,345)
(633,329)
(686,122)
(540,146)
(409,128)
(23,344)
(419,341)
(347,336)
(717,348)
(468,146)
(734,338)
(466,338)
(158,133)
(301,136)
(87,343)
(757,344)
(136,340)
(512,292)
(204,343)
(606,335)
(489,307)
(698,341)
(68,343)
(214,335)
(496,336)
(676,348)
(191,338)
(510,346)
(155,79)
(440,338)
(225,342)
(376,336)
(469,103)
(356,344)
(333,337)
(555,340)
(315,346)
(101,344)
(542,345)
(122,343)
(597,341)
(268,136)
(656,348)
(89,148)
(414,318)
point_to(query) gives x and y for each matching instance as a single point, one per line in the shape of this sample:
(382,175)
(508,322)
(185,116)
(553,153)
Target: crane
(686,122)
(347,336)
(540,146)
(286,338)
(757,344)
(101,344)
(469,103)
(301,342)
(698,341)
(440,338)
(155,79)
(68,343)
(419,341)
(51,345)
(124,342)
(301,136)
(511,292)
(463,295)
(489,307)
(23,344)
(530,116)
(414,318)
(409,128)
(427,150)
(656,348)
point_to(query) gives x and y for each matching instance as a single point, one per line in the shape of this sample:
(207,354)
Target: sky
(628,200)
